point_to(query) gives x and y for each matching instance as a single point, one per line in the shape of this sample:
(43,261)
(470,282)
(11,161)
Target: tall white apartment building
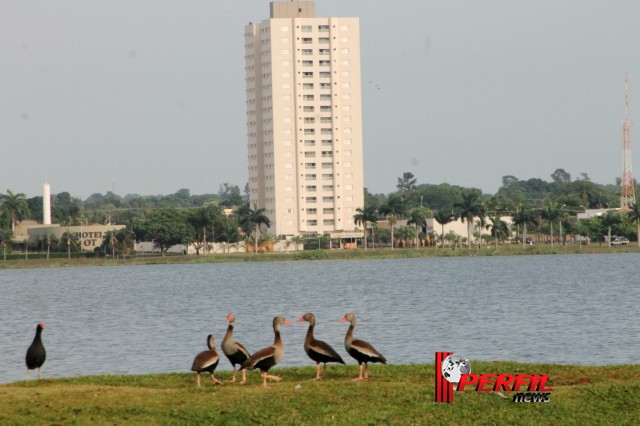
(304,121)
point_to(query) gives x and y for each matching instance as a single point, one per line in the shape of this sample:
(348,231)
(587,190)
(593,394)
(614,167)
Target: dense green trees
(541,207)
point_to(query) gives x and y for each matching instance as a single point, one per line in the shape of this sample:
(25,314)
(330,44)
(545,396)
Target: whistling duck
(207,361)
(266,358)
(362,351)
(318,350)
(36,354)
(236,353)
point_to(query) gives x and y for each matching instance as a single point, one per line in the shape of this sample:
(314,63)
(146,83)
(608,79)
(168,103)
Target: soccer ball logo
(455,366)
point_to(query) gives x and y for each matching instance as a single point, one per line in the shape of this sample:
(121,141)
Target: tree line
(535,206)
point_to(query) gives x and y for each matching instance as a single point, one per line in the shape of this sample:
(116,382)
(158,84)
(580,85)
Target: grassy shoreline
(395,394)
(386,253)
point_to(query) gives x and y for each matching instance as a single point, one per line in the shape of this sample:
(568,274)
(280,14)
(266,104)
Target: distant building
(304,121)
(90,236)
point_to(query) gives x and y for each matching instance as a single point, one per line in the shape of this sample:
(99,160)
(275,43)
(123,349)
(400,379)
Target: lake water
(154,319)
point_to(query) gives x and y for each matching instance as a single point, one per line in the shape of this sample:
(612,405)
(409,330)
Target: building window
(307,40)
(344,28)
(309,154)
(327,142)
(327,187)
(309,131)
(324,52)
(327,165)
(344,39)
(310,176)
(306,28)
(309,142)
(310,188)
(307,63)
(325,74)
(324,63)
(323,40)
(312,211)
(327,154)
(307,52)
(312,222)
(327,176)
(323,28)
(309,120)
(344,51)
(312,200)
(327,210)
(307,97)
(325,119)
(307,86)
(325,98)
(307,74)
(327,199)
(310,165)
(348,187)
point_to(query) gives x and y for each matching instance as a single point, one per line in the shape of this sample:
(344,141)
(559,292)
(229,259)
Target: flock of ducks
(319,351)
(263,360)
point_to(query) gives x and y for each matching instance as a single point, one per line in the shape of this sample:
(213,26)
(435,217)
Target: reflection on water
(154,319)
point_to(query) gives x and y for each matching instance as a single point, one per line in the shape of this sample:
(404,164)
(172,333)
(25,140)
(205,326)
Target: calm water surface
(154,319)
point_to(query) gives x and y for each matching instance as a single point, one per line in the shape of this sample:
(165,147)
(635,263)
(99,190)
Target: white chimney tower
(46,204)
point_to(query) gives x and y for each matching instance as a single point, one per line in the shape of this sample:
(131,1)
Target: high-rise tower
(304,120)
(627,190)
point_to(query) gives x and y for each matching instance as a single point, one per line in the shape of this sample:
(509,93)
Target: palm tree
(418,217)
(15,205)
(391,210)
(68,239)
(252,220)
(498,228)
(634,215)
(552,213)
(471,206)
(5,237)
(524,217)
(443,217)
(364,217)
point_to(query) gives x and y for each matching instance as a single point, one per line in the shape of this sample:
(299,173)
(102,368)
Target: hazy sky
(147,96)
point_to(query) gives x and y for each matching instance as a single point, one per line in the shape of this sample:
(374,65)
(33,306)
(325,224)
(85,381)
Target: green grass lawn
(394,394)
